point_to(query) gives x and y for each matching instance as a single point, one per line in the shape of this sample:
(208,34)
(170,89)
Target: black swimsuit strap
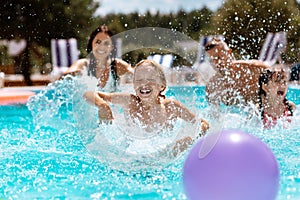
(287,103)
(92,71)
(114,73)
(91,67)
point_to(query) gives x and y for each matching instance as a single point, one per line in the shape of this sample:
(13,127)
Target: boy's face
(102,45)
(146,82)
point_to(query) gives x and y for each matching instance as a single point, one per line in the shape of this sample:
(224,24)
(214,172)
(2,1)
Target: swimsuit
(270,121)
(112,81)
(111,84)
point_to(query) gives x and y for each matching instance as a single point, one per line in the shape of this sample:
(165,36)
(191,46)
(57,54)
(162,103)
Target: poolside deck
(13,88)
(18,94)
(12,80)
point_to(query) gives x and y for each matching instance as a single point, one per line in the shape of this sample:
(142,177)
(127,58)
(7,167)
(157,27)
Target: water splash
(61,108)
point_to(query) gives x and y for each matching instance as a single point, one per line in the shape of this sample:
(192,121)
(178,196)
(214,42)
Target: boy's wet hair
(159,70)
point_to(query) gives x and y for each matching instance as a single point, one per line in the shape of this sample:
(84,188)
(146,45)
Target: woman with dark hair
(101,61)
(273,104)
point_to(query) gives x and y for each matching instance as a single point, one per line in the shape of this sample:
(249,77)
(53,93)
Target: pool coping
(22,90)
(17,95)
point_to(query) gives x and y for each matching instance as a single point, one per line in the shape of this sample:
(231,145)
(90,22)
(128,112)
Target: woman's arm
(99,98)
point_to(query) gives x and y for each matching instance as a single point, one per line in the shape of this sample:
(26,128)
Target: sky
(164,6)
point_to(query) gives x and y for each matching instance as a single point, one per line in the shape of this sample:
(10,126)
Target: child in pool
(273,104)
(148,106)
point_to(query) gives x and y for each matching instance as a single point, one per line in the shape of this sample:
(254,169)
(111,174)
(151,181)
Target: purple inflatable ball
(239,167)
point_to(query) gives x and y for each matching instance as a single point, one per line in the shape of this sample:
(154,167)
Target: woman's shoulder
(119,61)
(122,66)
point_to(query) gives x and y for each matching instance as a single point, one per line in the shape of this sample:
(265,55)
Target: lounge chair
(274,44)
(64,53)
(165,60)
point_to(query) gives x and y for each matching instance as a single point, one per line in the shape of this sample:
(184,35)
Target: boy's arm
(104,112)
(179,110)
(181,145)
(184,113)
(93,98)
(101,100)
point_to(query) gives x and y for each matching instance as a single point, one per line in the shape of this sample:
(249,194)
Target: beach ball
(238,167)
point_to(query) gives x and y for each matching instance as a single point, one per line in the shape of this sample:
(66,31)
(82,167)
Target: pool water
(44,157)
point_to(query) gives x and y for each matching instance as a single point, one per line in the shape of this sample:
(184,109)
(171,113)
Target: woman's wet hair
(159,70)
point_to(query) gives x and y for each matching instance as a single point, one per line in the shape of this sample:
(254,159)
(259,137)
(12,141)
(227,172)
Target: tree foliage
(191,23)
(245,23)
(40,21)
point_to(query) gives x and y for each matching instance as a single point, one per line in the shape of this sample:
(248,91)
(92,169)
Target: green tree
(245,23)
(199,22)
(191,23)
(39,21)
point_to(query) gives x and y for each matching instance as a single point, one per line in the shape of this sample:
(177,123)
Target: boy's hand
(105,114)
(204,125)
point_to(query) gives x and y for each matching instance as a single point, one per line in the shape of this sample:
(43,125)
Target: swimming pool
(52,162)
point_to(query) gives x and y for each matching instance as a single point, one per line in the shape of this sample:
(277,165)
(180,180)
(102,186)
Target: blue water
(44,157)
